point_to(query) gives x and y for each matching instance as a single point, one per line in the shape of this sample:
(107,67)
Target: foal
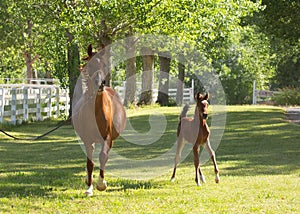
(195,131)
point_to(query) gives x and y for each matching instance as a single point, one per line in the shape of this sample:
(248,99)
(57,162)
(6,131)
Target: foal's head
(202,105)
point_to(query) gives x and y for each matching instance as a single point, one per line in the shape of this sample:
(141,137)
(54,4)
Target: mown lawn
(259,161)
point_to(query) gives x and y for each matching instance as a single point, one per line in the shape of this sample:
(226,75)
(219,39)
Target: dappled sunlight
(258,159)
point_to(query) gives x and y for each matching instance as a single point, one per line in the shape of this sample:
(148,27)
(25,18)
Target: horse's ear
(206,96)
(90,50)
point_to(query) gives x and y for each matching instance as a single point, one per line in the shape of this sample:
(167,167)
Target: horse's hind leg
(103,157)
(213,158)
(89,167)
(180,145)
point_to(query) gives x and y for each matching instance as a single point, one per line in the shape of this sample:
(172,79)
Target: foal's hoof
(202,178)
(89,191)
(198,182)
(102,186)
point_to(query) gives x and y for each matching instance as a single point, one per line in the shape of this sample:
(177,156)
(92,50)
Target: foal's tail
(183,114)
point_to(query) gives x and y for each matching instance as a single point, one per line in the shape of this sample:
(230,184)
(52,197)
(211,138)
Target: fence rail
(188,93)
(262,96)
(21,102)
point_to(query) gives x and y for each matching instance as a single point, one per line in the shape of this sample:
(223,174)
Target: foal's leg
(89,167)
(103,157)
(202,178)
(196,150)
(180,145)
(213,158)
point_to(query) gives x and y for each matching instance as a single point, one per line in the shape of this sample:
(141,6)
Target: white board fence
(188,93)
(23,102)
(262,96)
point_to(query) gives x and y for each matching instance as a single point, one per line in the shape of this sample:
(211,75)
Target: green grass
(259,161)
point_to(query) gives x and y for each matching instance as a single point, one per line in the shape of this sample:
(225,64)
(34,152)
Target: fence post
(13,109)
(254,93)
(57,101)
(2,94)
(38,104)
(49,96)
(68,102)
(25,103)
(192,92)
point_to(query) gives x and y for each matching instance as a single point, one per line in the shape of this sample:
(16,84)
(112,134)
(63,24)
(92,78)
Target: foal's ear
(199,96)
(90,50)
(206,96)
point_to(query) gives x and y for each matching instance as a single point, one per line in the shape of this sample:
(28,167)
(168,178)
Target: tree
(163,83)
(147,76)
(130,90)
(206,25)
(20,21)
(180,82)
(283,30)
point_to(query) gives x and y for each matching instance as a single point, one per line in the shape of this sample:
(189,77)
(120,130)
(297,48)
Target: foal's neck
(197,119)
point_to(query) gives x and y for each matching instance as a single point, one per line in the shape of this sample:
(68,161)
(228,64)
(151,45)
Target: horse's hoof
(202,178)
(89,194)
(89,191)
(102,187)
(198,184)
(217,179)
(172,179)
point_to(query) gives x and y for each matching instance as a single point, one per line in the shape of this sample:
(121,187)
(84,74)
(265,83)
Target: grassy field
(259,161)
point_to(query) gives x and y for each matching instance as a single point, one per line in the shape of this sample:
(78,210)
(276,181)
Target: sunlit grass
(258,158)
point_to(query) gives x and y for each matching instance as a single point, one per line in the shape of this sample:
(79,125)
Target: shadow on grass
(46,167)
(124,184)
(141,124)
(255,142)
(39,167)
(259,143)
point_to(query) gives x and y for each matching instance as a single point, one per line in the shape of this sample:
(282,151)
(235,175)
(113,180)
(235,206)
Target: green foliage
(245,59)
(287,96)
(287,73)
(236,46)
(282,28)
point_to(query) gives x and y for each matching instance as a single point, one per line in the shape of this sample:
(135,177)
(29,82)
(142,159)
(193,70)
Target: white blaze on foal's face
(205,106)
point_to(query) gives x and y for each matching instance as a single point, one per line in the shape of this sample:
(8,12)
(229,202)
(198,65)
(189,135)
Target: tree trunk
(28,53)
(130,89)
(28,61)
(163,87)
(73,67)
(108,67)
(147,77)
(180,81)
(104,39)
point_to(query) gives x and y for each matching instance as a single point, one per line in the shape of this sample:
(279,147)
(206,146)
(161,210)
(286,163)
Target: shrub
(287,96)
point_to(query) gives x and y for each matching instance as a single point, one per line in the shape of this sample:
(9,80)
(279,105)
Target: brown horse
(195,131)
(98,115)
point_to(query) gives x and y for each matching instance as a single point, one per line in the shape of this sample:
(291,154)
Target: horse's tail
(183,114)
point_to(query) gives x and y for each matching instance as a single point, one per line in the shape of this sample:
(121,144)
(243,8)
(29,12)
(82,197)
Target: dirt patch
(293,115)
